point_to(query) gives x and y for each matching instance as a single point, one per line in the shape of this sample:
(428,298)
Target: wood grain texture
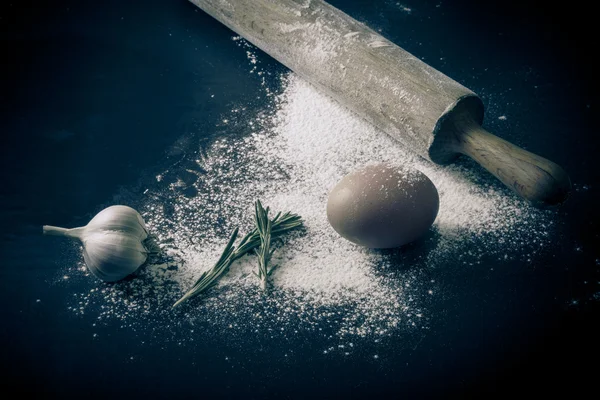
(417,105)
(344,58)
(535,178)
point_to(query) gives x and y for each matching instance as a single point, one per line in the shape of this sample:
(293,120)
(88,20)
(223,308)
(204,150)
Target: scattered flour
(290,155)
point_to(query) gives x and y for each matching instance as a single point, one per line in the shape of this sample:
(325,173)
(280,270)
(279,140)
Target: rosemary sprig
(281,224)
(264,253)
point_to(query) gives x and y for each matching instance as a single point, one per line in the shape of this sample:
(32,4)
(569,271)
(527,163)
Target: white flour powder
(301,145)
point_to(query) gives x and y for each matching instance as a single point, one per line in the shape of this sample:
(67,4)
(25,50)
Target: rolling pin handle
(540,181)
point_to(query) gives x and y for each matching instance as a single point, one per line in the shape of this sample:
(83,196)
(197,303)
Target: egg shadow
(411,256)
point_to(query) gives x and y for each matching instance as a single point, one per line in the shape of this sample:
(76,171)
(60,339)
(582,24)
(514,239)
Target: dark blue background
(85,84)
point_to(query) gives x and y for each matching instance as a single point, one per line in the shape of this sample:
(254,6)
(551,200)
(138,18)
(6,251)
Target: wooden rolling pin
(424,109)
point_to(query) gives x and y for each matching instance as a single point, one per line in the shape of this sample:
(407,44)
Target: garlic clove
(119,218)
(112,257)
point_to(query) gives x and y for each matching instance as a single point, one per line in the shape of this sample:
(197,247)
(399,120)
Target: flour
(291,155)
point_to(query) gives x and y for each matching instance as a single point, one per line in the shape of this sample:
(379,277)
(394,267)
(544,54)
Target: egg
(383,206)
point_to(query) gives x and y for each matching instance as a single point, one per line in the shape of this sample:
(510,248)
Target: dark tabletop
(85,82)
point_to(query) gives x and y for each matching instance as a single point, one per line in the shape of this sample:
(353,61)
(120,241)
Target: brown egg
(383,206)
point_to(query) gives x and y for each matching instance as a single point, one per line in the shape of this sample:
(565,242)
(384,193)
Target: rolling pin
(419,106)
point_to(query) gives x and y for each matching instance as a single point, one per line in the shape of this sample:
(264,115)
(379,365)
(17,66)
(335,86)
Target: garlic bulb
(113,242)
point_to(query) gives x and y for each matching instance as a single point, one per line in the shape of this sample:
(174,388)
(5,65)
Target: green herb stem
(281,224)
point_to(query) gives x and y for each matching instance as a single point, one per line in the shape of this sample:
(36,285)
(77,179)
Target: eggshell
(383,206)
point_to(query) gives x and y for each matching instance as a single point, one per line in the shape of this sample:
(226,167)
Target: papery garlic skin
(113,242)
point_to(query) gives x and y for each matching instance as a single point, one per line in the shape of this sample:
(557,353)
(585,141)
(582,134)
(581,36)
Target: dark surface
(96,94)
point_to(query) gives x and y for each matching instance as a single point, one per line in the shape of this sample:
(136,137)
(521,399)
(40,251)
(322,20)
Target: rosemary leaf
(263,226)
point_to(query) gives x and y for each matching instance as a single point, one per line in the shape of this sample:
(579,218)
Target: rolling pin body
(419,106)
